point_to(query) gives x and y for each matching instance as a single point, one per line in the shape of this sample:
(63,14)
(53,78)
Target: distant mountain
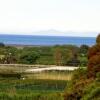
(68,33)
(53,32)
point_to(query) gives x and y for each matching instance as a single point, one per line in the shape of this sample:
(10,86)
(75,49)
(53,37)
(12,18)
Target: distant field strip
(60,68)
(43,66)
(25,65)
(35,68)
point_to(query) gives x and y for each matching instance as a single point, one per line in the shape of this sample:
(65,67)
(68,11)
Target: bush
(94,59)
(75,87)
(92,91)
(2,44)
(29,57)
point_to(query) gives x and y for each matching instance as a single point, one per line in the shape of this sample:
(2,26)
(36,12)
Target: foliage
(98,39)
(45,55)
(29,57)
(92,91)
(94,59)
(2,44)
(74,90)
(83,49)
(82,88)
(66,56)
(83,61)
(9,55)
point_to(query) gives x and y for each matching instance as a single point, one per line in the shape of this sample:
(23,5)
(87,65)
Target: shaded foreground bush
(85,84)
(82,88)
(10,75)
(94,59)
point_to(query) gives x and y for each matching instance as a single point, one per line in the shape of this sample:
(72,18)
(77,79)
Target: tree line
(48,55)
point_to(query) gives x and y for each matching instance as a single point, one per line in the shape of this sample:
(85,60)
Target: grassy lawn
(29,89)
(46,85)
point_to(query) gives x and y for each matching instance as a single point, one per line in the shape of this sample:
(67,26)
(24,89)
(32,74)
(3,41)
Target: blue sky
(27,16)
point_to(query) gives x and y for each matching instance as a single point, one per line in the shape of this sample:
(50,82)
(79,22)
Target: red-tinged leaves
(94,59)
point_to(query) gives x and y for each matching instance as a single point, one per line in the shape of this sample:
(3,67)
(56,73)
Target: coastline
(19,46)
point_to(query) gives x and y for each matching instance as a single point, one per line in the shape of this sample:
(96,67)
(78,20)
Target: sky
(30,16)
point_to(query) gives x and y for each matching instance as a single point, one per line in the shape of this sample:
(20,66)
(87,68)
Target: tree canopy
(94,58)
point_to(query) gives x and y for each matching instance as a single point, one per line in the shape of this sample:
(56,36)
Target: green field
(46,85)
(30,89)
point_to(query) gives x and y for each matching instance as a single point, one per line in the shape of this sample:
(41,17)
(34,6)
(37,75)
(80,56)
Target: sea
(46,40)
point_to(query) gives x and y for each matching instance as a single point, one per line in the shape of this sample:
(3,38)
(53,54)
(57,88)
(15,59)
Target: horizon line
(49,35)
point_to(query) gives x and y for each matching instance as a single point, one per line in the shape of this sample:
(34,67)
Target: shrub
(2,44)
(94,59)
(92,91)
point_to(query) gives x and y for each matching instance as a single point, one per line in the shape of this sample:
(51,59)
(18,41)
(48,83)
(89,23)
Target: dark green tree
(2,45)
(83,50)
(29,57)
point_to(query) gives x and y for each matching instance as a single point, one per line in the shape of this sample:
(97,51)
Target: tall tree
(58,56)
(94,59)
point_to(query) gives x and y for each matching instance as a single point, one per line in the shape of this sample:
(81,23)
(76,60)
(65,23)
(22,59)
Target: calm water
(45,40)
